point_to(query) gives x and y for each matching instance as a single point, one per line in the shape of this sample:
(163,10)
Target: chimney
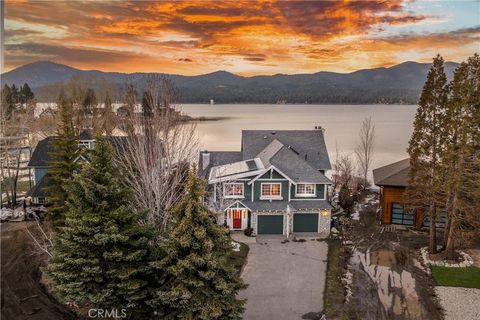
(205,159)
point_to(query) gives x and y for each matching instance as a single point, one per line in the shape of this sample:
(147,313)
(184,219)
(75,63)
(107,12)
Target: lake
(393,125)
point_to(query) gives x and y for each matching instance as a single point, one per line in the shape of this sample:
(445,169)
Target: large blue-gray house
(275,184)
(40,161)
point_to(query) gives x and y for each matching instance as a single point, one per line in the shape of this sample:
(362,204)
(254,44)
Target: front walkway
(239,236)
(286,280)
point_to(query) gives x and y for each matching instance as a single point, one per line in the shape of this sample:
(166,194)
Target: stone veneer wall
(324,222)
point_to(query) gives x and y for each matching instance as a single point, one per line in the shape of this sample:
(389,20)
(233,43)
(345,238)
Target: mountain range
(399,84)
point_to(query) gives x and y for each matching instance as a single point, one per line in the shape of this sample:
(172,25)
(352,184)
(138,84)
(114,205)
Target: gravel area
(460,303)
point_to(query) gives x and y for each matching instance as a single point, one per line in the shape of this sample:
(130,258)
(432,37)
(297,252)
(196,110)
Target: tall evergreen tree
(25,94)
(462,154)
(8,104)
(62,165)
(199,283)
(102,254)
(425,188)
(15,94)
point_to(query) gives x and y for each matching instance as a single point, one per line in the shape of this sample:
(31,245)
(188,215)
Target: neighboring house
(393,180)
(41,158)
(276,184)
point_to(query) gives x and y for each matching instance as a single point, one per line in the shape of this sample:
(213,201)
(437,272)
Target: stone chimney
(205,159)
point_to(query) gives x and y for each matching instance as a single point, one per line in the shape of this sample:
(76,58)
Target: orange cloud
(245,37)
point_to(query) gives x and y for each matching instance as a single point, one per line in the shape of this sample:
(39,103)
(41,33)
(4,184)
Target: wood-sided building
(393,180)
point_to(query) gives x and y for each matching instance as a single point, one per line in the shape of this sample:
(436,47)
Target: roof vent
(264,137)
(273,133)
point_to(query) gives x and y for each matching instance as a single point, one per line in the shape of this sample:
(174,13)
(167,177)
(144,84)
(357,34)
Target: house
(393,181)
(40,159)
(275,184)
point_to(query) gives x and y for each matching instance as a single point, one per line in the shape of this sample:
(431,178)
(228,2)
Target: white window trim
(262,197)
(306,195)
(234,196)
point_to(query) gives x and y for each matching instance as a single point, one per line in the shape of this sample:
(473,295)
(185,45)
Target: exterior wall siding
(391,195)
(38,173)
(257,189)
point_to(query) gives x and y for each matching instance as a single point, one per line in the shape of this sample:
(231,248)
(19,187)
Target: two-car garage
(273,224)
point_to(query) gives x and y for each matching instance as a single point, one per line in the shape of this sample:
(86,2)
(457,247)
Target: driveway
(286,281)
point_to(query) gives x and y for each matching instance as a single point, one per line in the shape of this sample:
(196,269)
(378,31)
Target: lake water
(393,125)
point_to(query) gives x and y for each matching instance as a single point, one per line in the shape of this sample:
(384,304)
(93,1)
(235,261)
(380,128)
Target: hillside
(401,83)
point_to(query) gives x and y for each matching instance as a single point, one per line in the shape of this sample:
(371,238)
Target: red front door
(237,219)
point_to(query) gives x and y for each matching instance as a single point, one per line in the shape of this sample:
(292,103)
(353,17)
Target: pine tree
(8,104)
(199,283)
(102,254)
(425,188)
(26,94)
(62,165)
(462,154)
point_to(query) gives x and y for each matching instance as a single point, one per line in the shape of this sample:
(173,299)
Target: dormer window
(233,190)
(305,190)
(85,144)
(271,191)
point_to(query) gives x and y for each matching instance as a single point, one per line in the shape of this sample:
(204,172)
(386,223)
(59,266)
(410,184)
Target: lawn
(334,292)
(457,277)
(239,258)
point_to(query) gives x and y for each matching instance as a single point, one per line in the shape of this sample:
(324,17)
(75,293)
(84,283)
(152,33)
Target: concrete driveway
(286,281)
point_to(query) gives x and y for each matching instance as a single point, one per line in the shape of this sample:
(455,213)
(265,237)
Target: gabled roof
(394,174)
(41,154)
(297,169)
(308,144)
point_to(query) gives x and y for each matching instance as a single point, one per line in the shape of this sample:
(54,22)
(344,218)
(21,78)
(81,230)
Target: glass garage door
(399,216)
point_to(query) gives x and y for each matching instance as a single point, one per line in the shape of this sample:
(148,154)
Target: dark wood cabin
(392,180)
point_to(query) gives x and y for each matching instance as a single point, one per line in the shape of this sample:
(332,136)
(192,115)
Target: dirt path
(23,296)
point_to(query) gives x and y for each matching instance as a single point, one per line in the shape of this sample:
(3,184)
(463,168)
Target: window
(233,190)
(271,191)
(305,190)
(41,200)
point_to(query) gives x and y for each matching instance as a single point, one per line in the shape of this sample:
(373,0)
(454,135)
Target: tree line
(130,229)
(445,154)
(14,98)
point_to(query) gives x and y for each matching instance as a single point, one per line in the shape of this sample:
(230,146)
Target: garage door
(400,217)
(271,224)
(305,222)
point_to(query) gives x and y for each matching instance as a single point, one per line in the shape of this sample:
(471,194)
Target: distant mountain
(401,84)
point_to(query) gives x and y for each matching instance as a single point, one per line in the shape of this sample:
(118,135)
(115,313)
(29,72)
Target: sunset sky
(243,37)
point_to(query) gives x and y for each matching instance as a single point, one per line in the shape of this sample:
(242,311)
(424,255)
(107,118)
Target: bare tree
(159,148)
(364,148)
(41,236)
(15,148)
